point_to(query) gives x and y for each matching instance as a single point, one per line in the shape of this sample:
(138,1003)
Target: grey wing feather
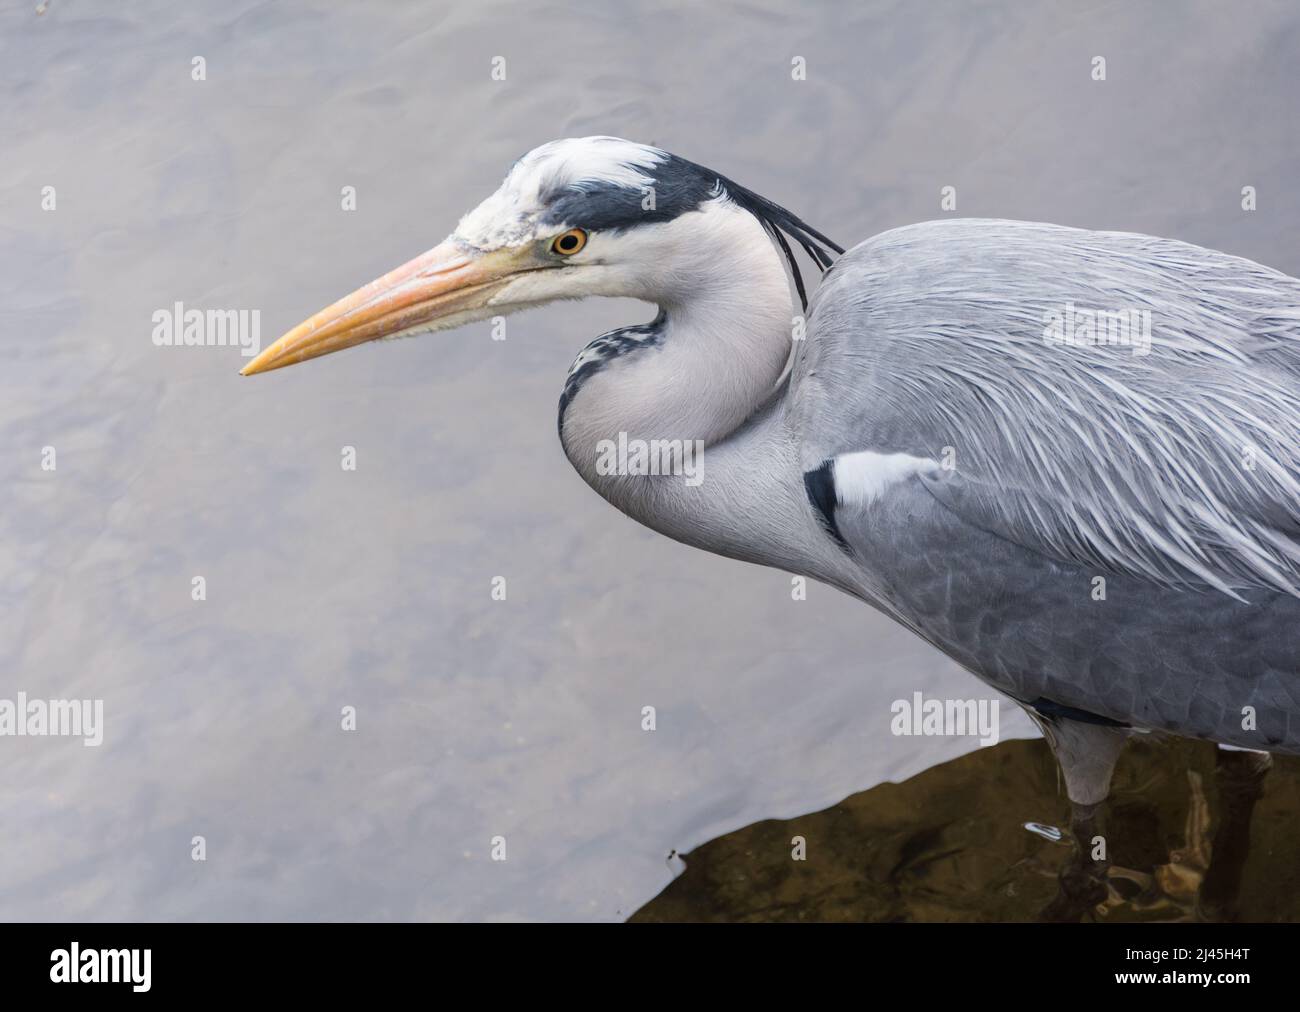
(1181,465)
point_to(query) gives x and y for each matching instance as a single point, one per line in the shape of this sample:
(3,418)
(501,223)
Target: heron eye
(568,243)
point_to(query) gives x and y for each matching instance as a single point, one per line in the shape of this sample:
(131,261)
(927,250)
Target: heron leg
(1081,882)
(1087,754)
(1240,778)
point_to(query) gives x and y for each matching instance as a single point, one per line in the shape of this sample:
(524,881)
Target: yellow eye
(568,243)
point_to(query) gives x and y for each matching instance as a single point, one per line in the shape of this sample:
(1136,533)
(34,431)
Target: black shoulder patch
(820,486)
(1057,710)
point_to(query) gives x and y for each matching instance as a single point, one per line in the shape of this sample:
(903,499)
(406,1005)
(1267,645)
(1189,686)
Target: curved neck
(654,417)
(712,356)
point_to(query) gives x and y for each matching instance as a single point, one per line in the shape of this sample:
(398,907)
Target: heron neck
(712,356)
(651,412)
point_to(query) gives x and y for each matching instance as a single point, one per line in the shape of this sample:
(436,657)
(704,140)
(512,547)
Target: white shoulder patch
(861,478)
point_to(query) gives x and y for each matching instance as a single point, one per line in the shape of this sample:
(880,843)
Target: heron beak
(435,290)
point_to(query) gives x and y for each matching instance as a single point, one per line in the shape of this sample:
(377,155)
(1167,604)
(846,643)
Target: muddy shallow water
(973,840)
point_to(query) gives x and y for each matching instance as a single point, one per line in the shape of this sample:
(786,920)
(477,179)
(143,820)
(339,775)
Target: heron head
(575,217)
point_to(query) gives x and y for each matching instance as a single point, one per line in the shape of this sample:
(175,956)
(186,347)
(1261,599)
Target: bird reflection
(1189,834)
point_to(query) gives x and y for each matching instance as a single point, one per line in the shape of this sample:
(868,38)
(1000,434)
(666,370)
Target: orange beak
(442,288)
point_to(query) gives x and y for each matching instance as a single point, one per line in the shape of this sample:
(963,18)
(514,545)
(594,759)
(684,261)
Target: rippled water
(371,588)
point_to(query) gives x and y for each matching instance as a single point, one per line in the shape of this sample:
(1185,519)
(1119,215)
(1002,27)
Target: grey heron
(1107,531)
